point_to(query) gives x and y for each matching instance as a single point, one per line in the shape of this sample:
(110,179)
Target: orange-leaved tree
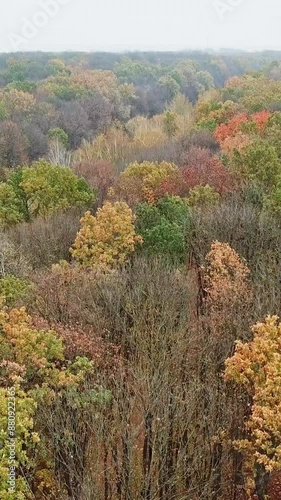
(231,128)
(227,286)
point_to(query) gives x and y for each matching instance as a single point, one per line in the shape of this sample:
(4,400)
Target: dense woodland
(140,275)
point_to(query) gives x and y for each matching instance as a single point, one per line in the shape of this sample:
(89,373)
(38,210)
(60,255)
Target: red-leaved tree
(204,168)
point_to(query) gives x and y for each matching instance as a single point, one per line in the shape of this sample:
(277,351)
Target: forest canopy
(140,264)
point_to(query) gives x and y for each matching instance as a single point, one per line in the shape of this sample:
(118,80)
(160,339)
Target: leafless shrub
(12,260)
(58,155)
(44,242)
(99,174)
(198,139)
(167,430)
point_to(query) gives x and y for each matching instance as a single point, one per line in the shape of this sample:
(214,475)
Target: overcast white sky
(139,24)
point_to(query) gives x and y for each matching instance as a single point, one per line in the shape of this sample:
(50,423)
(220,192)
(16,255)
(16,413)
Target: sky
(118,25)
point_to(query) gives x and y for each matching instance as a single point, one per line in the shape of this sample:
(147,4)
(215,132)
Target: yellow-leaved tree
(107,239)
(256,365)
(33,372)
(143,179)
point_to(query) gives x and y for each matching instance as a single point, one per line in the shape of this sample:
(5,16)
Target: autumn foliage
(237,133)
(203,168)
(29,354)
(144,179)
(227,284)
(125,335)
(107,239)
(231,128)
(256,366)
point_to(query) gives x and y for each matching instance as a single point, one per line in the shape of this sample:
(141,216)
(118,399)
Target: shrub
(43,242)
(12,260)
